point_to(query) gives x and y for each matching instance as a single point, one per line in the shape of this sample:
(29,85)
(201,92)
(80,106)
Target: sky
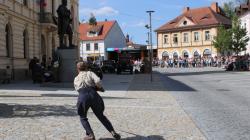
(131,14)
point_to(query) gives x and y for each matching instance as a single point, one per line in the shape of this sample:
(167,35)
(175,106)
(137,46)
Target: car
(124,65)
(108,66)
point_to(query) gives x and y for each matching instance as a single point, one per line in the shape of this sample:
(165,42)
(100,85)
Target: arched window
(43,45)
(25,44)
(165,55)
(73,17)
(175,55)
(196,54)
(8,40)
(25,2)
(185,54)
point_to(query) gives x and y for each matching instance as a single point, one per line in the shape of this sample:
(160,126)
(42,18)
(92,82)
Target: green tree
(239,36)
(223,41)
(229,9)
(92,20)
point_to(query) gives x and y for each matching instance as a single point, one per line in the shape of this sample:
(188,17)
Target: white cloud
(103,11)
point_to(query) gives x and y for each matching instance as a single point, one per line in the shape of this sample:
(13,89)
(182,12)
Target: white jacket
(86,79)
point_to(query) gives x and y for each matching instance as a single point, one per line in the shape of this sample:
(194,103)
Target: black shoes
(116,135)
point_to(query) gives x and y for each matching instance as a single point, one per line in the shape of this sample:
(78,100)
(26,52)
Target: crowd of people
(199,61)
(44,71)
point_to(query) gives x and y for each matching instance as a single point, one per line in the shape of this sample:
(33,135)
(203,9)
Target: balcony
(48,21)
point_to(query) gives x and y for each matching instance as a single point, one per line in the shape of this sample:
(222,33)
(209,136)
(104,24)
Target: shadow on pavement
(175,85)
(12,111)
(59,96)
(152,137)
(161,82)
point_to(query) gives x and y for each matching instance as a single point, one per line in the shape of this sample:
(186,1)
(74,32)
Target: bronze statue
(64,23)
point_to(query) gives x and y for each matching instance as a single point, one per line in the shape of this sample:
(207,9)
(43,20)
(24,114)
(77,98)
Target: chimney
(215,7)
(186,9)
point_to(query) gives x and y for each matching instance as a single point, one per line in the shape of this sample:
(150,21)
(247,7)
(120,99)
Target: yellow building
(191,34)
(28,30)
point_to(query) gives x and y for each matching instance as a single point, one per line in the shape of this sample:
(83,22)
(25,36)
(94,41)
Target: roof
(102,28)
(200,17)
(243,8)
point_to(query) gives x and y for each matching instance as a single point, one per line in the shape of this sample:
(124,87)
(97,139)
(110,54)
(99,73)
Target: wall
(84,54)
(245,20)
(115,38)
(191,46)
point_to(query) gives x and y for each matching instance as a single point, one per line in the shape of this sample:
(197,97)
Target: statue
(64,24)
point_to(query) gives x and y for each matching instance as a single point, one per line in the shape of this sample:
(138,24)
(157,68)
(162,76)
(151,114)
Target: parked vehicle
(96,69)
(108,66)
(124,65)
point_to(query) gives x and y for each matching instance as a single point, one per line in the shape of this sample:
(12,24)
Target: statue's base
(68,59)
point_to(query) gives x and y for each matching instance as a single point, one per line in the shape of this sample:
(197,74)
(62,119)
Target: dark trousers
(89,98)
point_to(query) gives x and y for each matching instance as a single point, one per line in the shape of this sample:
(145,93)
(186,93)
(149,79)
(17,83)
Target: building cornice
(188,28)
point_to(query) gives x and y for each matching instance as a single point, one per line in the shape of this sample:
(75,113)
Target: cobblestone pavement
(216,100)
(138,109)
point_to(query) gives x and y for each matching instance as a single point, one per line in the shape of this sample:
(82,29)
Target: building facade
(97,40)
(29,30)
(244,15)
(191,34)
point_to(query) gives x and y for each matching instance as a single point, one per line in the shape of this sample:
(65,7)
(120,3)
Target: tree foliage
(92,20)
(223,41)
(239,36)
(229,7)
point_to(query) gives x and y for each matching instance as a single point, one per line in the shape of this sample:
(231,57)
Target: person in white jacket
(87,83)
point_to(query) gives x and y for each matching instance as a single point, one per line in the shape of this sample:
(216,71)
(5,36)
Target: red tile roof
(104,28)
(201,17)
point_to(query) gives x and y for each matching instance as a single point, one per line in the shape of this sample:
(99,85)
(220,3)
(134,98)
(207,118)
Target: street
(217,101)
(180,104)
(138,109)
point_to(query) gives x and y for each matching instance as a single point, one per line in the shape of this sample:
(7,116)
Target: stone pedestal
(67,69)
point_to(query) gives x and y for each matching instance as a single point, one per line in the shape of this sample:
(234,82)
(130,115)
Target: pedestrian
(86,84)
(7,75)
(32,66)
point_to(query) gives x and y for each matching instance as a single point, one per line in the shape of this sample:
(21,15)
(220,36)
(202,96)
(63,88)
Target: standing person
(86,84)
(32,66)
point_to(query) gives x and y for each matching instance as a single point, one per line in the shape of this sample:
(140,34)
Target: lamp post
(151,43)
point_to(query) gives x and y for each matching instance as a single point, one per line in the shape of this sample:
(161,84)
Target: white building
(244,14)
(97,40)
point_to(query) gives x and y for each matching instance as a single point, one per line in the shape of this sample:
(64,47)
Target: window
(184,22)
(165,39)
(175,39)
(196,36)
(25,44)
(25,2)
(7,40)
(207,35)
(185,37)
(96,47)
(88,47)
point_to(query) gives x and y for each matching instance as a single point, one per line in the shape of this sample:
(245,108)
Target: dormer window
(94,30)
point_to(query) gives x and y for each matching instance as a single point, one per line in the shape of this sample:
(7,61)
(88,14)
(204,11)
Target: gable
(185,22)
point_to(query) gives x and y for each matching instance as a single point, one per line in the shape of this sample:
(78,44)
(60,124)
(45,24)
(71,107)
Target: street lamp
(151,43)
